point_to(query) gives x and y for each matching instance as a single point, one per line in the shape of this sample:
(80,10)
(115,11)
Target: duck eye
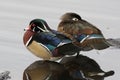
(33,26)
(74,19)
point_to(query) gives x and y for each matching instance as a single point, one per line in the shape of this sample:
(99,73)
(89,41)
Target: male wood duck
(46,70)
(90,37)
(47,43)
(49,70)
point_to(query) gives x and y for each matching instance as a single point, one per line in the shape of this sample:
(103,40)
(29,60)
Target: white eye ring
(74,19)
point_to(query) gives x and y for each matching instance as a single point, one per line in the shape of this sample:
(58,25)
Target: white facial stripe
(41,29)
(45,27)
(34,29)
(28,41)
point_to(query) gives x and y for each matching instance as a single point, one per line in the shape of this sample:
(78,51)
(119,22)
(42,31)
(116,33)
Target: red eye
(33,25)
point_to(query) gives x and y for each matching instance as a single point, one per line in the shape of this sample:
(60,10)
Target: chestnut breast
(27,35)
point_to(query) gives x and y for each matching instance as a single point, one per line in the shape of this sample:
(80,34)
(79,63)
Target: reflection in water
(89,67)
(69,68)
(46,70)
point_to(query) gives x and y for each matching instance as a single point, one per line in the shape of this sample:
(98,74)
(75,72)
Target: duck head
(69,24)
(38,25)
(70,16)
(35,26)
(74,22)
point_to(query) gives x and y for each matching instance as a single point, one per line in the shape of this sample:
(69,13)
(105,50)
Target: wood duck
(46,70)
(50,70)
(88,36)
(89,67)
(47,43)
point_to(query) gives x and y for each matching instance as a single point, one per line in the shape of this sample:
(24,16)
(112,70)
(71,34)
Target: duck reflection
(89,67)
(69,68)
(46,70)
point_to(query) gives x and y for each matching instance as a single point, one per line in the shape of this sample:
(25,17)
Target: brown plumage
(89,67)
(46,70)
(72,24)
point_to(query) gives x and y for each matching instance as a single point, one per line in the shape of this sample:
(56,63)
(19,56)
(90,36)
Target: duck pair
(73,35)
(69,68)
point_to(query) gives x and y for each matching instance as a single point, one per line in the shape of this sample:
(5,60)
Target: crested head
(39,25)
(70,16)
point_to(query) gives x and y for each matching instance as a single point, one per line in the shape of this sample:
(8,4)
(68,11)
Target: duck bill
(27,28)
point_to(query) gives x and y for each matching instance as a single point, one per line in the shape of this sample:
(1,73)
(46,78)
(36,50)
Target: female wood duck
(46,43)
(90,37)
(89,67)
